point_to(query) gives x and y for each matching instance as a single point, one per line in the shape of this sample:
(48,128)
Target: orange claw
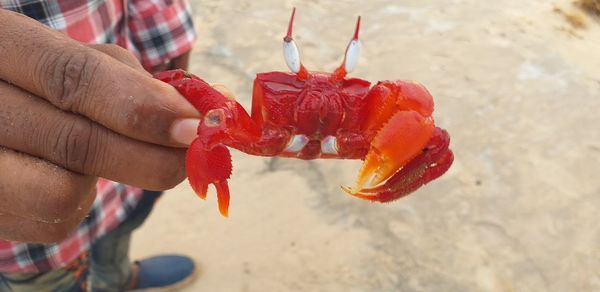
(407,150)
(399,115)
(401,139)
(432,162)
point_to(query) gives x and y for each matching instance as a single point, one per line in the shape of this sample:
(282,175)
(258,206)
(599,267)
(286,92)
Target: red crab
(310,115)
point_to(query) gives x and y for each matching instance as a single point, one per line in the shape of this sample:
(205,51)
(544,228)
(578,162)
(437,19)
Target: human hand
(70,113)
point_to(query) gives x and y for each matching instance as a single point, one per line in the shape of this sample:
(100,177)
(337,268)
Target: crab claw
(207,160)
(433,161)
(399,140)
(206,167)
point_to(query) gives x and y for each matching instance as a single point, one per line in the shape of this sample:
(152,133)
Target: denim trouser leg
(110,268)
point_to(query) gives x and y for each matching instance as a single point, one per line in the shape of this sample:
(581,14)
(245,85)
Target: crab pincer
(208,161)
(400,159)
(430,163)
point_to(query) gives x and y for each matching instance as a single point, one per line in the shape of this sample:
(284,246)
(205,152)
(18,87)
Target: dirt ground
(516,86)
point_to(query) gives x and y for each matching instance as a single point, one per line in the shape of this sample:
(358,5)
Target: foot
(162,272)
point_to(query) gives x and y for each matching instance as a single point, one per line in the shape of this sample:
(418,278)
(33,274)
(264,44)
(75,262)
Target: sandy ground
(515,85)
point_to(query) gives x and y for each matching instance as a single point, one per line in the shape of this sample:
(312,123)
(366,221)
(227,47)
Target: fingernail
(184,131)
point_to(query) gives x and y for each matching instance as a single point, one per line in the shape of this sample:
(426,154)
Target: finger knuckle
(76,144)
(70,77)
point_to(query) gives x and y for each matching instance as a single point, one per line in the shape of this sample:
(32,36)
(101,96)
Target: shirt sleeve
(160,29)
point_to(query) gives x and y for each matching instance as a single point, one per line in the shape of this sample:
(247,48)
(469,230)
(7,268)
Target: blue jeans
(106,269)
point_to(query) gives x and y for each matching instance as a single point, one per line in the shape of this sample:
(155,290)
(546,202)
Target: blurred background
(516,84)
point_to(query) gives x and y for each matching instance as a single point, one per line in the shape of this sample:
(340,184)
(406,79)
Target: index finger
(82,80)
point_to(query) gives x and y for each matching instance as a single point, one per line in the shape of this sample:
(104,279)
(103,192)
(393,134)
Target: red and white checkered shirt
(155,31)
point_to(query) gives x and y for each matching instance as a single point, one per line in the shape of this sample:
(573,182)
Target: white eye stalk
(350,57)
(352,53)
(290,52)
(291,55)
(353,50)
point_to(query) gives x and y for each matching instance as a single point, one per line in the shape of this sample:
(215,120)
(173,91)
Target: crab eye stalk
(292,56)
(350,57)
(353,50)
(290,51)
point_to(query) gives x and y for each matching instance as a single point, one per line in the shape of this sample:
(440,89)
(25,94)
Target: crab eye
(291,55)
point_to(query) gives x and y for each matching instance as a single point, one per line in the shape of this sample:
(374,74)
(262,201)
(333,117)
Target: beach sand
(516,85)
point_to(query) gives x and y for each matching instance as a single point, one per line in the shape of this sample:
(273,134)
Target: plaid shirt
(155,31)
